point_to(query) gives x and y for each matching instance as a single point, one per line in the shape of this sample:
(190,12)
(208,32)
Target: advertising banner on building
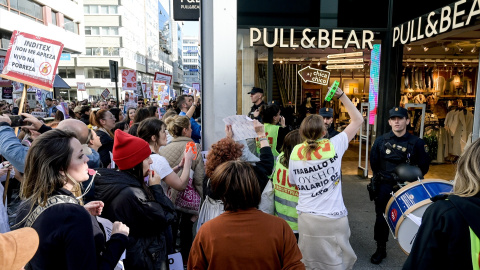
(32,60)
(159,76)
(129,79)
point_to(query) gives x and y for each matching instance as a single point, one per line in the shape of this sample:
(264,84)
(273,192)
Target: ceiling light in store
(345,61)
(460,49)
(345,66)
(341,55)
(409,48)
(318,64)
(425,48)
(445,48)
(281,61)
(425,64)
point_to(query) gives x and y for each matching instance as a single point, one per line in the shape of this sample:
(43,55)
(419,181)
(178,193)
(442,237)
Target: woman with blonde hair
(180,128)
(103,122)
(70,236)
(315,168)
(449,235)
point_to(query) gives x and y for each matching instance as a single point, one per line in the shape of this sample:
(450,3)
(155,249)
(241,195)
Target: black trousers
(381,229)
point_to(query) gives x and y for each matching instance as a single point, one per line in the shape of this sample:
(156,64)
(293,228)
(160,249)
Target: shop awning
(59,83)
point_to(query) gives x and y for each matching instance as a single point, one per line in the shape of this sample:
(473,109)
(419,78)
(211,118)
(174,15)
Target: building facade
(191,61)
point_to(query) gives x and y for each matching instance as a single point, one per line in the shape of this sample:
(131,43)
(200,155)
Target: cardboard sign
(139,90)
(129,79)
(167,78)
(80,86)
(7,92)
(105,93)
(32,60)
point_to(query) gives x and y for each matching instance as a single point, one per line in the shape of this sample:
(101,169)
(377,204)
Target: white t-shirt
(319,182)
(160,166)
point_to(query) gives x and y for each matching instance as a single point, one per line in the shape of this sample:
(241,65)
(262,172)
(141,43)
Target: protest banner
(167,78)
(196,86)
(7,92)
(80,86)
(157,88)
(105,93)
(165,95)
(3,82)
(32,60)
(129,79)
(39,114)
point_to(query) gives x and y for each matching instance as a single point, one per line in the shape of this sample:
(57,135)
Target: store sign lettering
(437,22)
(321,39)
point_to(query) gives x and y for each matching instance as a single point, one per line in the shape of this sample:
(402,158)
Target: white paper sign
(175,261)
(108,226)
(242,127)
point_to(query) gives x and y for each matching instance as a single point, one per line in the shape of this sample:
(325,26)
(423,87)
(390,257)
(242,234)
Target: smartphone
(17,121)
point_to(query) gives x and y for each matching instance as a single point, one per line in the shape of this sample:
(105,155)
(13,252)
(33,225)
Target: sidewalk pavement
(361,216)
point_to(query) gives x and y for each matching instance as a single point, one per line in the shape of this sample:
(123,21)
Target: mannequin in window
(308,107)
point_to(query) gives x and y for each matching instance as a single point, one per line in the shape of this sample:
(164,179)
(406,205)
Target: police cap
(326,112)
(398,112)
(255,90)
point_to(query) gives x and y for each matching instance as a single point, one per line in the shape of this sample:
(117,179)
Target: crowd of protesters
(115,177)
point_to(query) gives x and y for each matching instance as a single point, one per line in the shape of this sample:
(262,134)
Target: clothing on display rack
(440,84)
(419,99)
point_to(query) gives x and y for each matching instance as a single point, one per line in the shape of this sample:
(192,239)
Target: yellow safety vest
(271,131)
(324,150)
(286,195)
(475,247)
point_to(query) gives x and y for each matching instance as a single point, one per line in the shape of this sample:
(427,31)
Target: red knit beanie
(128,150)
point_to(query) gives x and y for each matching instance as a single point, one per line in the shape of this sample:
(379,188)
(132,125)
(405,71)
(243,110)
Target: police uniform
(328,112)
(387,153)
(255,106)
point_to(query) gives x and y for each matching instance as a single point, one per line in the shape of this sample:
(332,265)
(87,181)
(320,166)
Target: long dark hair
(291,140)
(268,112)
(150,127)
(137,173)
(141,115)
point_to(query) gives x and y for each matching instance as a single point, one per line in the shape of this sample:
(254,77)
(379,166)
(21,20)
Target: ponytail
(312,129)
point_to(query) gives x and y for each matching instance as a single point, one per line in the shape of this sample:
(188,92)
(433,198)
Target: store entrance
(442,73)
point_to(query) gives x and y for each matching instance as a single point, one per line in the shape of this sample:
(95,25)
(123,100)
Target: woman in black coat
(134,196)
(70,236)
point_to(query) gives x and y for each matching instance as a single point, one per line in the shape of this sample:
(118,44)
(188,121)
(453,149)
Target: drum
(406,207)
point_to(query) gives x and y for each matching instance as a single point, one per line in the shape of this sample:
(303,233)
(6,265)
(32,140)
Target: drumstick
(6,187)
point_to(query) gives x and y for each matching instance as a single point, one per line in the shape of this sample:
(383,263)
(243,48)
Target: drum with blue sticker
(406,207)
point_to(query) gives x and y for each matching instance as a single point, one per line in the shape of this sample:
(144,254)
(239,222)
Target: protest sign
(80,86)
(196,86)
(158,88)
(39,114)
(7,92)
(139,90)
(63,107)
(105,93)
(129,79)
(32,60)
(2,81)
(164,95)
(167,78)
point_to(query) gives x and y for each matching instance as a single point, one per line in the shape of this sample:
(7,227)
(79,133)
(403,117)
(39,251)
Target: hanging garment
(408,78)
(419,78)
(449,86)
(432,100)
(440,84)
(428,78)
(467,86)
(457,126)
(468,128)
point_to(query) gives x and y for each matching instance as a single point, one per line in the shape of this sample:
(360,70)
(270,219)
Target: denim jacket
(12,149)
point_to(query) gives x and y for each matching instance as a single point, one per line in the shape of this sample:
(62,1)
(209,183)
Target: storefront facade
(273,43)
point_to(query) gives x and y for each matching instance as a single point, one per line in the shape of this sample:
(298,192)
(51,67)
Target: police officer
(256,95)
(390,150)
(327,114)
